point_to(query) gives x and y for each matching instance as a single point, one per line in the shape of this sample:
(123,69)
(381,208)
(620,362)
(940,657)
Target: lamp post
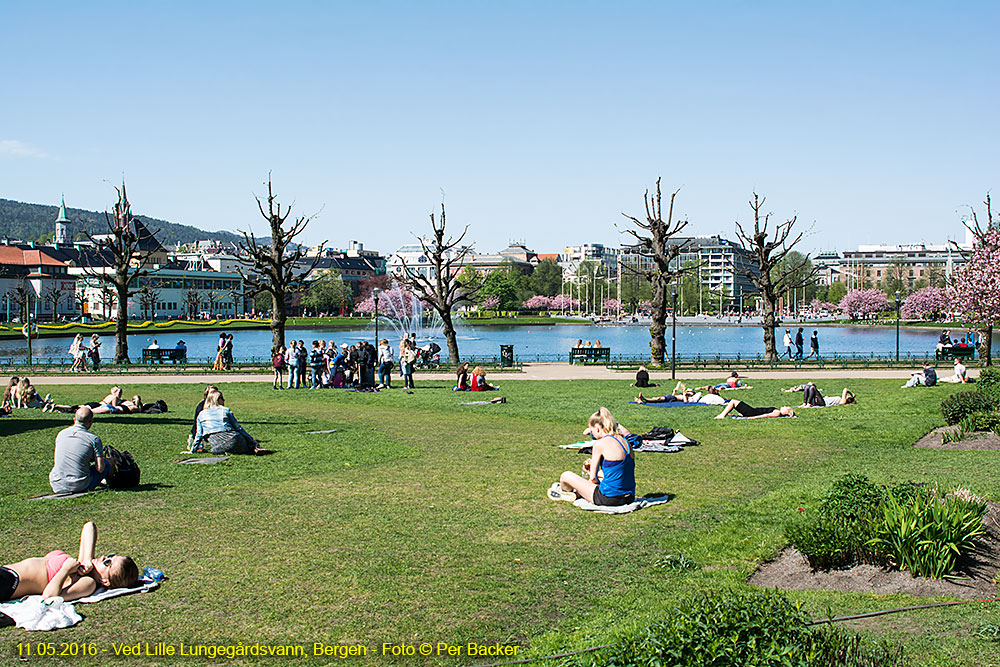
(673,336)
(897,325)
(375,293)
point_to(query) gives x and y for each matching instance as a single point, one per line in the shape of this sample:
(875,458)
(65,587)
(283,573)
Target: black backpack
(126,474)
(659,433)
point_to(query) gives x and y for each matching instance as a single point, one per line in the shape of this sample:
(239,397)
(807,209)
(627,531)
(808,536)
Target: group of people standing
(80,352)
(324,365)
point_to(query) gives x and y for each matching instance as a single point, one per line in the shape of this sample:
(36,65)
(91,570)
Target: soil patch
(791,571)
(982,440)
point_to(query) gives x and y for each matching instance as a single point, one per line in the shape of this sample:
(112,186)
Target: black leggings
(750,411)
(811,396)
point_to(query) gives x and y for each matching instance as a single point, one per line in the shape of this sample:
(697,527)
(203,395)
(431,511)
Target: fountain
(405,314)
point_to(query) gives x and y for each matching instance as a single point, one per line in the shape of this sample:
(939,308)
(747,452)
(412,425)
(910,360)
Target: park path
(534,371)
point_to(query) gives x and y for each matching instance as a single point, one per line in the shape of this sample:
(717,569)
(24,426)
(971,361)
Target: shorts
(612,501)
(9,580)
(748,411)
(113,409)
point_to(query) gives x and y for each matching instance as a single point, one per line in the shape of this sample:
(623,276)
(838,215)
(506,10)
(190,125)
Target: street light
(673,336)
(897,325)
(375,293)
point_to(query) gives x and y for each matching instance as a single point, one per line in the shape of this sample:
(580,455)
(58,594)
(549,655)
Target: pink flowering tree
(539,302)
(489,303)
(564,302)
(864,303)
(926,304)
(975,290)
(612,305)
(644,305)
(395,302)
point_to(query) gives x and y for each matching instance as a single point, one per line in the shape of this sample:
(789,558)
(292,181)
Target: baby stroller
(428,357)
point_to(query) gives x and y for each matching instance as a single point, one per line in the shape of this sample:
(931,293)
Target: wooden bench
(955,352)
(175,355)
(586,354)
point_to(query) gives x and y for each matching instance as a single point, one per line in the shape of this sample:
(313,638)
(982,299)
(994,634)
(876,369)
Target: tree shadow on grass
(10,427)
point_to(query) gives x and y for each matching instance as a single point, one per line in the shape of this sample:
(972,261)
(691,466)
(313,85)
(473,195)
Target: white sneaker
(555,492)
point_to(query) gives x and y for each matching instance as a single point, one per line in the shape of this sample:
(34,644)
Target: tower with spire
(63,236)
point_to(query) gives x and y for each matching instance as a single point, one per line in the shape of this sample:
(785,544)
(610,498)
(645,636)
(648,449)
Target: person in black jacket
(799,342)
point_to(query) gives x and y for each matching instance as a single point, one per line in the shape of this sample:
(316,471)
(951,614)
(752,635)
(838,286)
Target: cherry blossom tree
(926,304)
(539,302)
(613,305)
(489,303)
(564,302)
(985,240)
(864,303)
(975,290)
(393,301)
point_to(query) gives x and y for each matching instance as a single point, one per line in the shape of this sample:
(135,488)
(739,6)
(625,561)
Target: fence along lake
(531,343)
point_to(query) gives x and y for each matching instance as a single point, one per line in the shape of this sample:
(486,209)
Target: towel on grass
(671,404)
(57,496)
(779,417)
(32,612)
(621,509)
(675,444)
(332,430)
(204,460)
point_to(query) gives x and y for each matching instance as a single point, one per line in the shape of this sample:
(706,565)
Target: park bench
(955,352)
(587,354)
(175,355)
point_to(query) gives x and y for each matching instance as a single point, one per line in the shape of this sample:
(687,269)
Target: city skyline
(536,123)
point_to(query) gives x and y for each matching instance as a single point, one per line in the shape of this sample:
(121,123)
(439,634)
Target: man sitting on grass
(925,377)
(80,464)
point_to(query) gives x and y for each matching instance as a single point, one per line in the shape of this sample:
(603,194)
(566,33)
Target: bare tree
(192,302)
(148,296)
(769,272)
(126,249)
(654,242)
(52,294)
(443,290)
(275,268)
(979,237)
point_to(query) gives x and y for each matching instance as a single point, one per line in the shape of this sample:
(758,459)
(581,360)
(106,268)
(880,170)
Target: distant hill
(32,222)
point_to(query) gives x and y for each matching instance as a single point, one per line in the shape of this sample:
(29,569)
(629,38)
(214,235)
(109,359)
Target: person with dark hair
(811,398)
(316,364)
(750,412)
(925,377)
(462,377)
(57,574)
(799,341)
(814,345)
(220,353)
(227,354)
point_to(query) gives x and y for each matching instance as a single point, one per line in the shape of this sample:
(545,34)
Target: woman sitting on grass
(27,397)
(750,412)
(218,430)
(462,377)
(10,392)
(479,382)
(57,574)
(610,471)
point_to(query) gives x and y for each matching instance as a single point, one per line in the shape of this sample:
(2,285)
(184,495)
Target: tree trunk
(450,336)
(657,343)
(278,318)
(770,352)
(986,346)
(121,324)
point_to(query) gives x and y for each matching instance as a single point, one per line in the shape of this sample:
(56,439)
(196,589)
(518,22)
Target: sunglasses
(106,562)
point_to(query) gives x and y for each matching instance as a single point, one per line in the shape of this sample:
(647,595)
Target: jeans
(293,374)
(407,370)
(317,373)
(385,373)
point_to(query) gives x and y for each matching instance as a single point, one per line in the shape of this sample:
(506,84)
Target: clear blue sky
(540,121)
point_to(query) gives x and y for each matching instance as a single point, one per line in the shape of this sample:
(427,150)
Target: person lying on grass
(811,398)
(610,471)
(710,397)
(121,406)
(750,412)
(218,430)
(731,382)
(57,574)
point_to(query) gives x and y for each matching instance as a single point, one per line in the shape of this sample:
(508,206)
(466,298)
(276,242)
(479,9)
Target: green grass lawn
(420,520)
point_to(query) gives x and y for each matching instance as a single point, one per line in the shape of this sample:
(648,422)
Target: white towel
(102,593)
(34,613)
(621,509)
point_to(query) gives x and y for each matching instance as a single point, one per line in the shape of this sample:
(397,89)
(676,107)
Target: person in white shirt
(788,342)
(154,345)
(960,376)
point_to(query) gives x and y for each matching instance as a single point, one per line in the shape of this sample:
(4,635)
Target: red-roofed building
(29,270)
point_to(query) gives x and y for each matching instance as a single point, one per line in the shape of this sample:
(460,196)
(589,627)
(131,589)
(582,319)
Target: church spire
(62,225)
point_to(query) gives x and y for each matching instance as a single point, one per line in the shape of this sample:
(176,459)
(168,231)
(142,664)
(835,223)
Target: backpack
(278,361)
(126,474)
(159,407)
(659,433)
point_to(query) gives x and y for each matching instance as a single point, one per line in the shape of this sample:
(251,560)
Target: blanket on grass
(671,404)
(781,417)
(639,503)
(34,613)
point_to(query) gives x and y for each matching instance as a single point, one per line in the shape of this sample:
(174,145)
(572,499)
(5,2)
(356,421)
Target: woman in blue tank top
(610,471)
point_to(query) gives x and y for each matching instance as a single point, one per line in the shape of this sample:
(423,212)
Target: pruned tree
(276,268)
(768,271)
(443,290)
(53,294)
(192,302)
(148,296)
(124,252)
(972,287)
(654,242)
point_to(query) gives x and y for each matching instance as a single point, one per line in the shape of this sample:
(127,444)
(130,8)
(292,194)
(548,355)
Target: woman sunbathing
(610,471)
(811,398)
(750,412)
(110,404)
(57,574)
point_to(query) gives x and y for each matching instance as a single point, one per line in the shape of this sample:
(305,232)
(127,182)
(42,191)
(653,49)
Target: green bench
(588,354)
(955,352)
(175,355)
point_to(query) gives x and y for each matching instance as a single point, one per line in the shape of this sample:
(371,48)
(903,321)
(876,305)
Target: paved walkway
(535,371)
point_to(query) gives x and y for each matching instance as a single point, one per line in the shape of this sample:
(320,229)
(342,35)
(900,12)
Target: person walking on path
(814,346)
(95,352)
(787,340)
(227,354)
(798,344)
(220,351)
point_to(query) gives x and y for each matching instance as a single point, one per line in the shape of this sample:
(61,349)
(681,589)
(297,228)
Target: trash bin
(506,356)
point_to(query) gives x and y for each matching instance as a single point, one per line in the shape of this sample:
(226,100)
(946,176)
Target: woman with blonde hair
(79,354)
(218,430)
(479,382)
(610,471)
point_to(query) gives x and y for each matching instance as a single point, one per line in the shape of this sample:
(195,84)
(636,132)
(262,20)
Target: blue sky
(537,121)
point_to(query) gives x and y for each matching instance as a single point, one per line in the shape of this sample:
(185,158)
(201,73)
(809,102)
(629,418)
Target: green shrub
(927,535)
(741,629)
(957,406)
(988,383)
(980,421)
(836,533)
